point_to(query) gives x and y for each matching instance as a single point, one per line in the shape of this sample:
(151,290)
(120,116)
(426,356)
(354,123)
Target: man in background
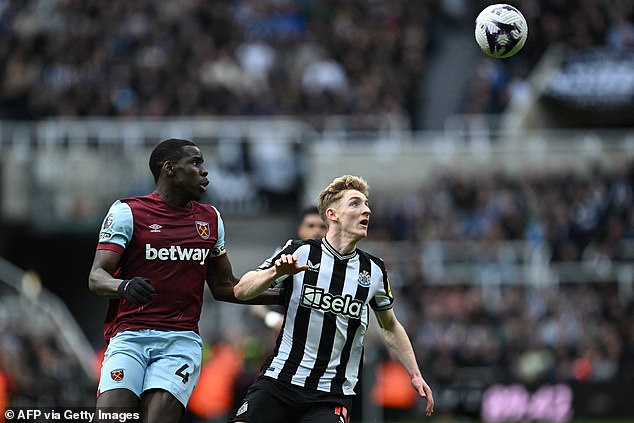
(311,226)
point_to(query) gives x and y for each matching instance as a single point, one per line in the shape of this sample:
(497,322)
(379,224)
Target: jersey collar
(335,253)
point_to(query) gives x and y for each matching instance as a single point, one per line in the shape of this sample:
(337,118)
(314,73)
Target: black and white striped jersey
(320,346)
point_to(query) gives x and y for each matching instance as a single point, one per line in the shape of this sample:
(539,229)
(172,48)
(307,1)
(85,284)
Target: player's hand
(286,264)
(424,391)
(137,290)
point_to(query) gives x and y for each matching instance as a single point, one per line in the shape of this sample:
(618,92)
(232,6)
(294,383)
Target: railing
(33,298)
(69,171)
(494,265)
(132,134)
(66,170)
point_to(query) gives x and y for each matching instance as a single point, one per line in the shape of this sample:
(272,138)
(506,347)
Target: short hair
(170,149)
(334,191)
(307,211)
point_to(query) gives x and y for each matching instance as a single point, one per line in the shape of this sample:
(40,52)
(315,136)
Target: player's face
(312,227)
(190,175)
(353,214)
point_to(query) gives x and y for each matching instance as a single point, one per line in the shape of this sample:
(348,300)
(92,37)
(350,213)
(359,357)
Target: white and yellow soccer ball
(501,30)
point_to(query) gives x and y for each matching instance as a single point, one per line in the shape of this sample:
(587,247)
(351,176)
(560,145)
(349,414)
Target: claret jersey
(320,346)
(171,246)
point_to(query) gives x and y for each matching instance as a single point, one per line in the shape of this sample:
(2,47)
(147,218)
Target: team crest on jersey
(107,222)
(364,278)
(117,375)
(203,229)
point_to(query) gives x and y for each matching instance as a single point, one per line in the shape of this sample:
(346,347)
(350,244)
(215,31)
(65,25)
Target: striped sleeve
(382,299)
(289,248)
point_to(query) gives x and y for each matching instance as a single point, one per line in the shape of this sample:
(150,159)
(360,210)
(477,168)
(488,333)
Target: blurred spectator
(324,75)
(532,336)
(521,332)
(620,33)
(213,395)
(144,58)
(579,215)
(35,363)
(363,60)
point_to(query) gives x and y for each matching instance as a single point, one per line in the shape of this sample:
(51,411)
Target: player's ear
(331,214)
(168,168)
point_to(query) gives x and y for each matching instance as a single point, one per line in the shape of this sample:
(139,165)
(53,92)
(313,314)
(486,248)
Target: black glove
(137,290)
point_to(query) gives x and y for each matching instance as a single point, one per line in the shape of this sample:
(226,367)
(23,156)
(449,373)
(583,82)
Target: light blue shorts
(144,359)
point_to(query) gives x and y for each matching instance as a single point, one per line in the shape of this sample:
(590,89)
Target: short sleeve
(383,299)
(219,246)
(278,252)
(117,227)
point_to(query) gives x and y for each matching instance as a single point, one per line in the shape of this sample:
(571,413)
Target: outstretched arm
(399,344)
(255,282)
(221,281)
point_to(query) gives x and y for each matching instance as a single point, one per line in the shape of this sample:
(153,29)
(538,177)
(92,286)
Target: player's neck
(172,198)
(342,242)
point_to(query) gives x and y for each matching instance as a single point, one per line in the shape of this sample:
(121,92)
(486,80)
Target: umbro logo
(155,227)
(313,267)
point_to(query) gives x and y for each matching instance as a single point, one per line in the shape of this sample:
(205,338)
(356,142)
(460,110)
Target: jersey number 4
(182,373)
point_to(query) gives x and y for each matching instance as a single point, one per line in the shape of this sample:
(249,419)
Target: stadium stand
(251,58)
(514,278)
(577,216)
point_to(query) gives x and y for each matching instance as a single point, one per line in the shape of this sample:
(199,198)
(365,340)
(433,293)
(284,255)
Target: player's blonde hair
(334,191)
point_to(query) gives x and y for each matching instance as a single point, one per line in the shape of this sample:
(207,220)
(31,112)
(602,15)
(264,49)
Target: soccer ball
(501,30)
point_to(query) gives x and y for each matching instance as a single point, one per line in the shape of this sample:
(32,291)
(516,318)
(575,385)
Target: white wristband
(272,319)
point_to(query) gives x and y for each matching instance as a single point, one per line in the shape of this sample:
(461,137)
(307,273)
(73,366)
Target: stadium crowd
(569,333)
(577,215)
(525,332)
(145,58)
(313,59)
